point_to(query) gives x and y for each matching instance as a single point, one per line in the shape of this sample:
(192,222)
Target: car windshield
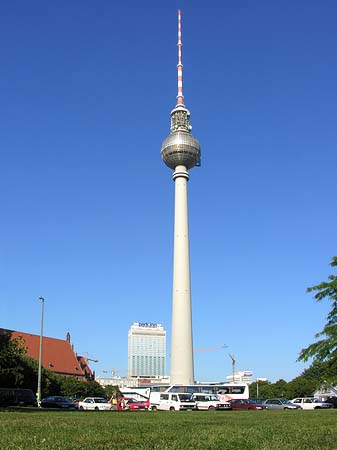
(185,397)
(285,401)
(100,400)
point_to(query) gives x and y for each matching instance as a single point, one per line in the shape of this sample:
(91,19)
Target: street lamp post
(232,357)
(40,355)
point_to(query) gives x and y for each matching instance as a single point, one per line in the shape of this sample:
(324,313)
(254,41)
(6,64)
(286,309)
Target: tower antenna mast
(180,97)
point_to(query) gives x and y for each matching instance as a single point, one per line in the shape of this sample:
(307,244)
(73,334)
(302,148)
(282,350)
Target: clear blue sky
(87,203)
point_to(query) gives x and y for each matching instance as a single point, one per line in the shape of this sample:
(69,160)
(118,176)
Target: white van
(175,402)
(210,401)
(311,403)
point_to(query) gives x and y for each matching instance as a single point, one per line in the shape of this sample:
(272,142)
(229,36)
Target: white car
(210,401)
(175,402)
(311,403)
(94,404)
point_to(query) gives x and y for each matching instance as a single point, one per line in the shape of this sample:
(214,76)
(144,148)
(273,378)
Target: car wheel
(172,408)
(211,408)
(317,407)
(96,408)
(153,408)
(81,408)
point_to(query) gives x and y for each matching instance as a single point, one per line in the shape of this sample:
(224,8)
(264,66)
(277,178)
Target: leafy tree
(11,351)
(95,389)
(71,387)
(280,389)
(325,349)
(112,391)
(317,371)
(302,387)
(266,389)
(75,388)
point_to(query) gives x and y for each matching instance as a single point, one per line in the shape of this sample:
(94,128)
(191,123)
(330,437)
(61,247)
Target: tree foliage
(11,352)
(71,387)
(324,350)
(301,386)
(112,391)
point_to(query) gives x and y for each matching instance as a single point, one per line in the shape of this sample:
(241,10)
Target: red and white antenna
(180,96)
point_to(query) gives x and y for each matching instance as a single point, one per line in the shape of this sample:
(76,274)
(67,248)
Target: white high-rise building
(146,350)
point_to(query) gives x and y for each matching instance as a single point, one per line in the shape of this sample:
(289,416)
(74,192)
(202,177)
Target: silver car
(280,403)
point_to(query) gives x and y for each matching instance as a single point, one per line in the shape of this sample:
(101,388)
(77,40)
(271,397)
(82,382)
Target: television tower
(180,152)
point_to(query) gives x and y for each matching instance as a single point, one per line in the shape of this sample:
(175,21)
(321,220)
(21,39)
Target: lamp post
(259,380)
(40,356)
(232,357)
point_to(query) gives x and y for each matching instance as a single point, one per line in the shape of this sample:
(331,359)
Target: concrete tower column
(182,367)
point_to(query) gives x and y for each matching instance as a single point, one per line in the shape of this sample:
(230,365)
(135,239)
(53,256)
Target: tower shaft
(182,367)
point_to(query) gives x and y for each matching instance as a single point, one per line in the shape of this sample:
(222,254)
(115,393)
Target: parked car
(260,401)
(131,404)
(280,403)
(94,404)
(332,400)
(210,402)
(311,403)
(17,397)
(175,402)
(58,401)
(245,404)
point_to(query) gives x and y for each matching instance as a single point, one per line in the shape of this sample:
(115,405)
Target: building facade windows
(146,350)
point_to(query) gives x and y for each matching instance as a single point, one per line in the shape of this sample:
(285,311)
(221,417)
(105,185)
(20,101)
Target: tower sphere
(180,148)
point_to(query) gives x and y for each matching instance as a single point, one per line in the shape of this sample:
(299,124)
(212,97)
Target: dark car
(245,404)
(260,401)
(17,397)
(58,402)
(332,401)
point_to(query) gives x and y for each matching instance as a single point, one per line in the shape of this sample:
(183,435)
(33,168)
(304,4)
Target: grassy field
(244,430)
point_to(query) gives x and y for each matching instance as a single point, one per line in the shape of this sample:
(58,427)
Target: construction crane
(209,349)
(232,357)
(115,371)
(90,359)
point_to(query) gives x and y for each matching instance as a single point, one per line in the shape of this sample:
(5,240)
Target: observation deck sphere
(180,149)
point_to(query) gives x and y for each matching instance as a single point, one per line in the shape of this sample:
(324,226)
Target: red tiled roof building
(57,355)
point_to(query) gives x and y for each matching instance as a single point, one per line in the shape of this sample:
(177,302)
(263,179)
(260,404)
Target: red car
(246,404)
(130,404)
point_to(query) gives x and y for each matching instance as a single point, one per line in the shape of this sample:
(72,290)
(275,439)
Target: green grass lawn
(185,430)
